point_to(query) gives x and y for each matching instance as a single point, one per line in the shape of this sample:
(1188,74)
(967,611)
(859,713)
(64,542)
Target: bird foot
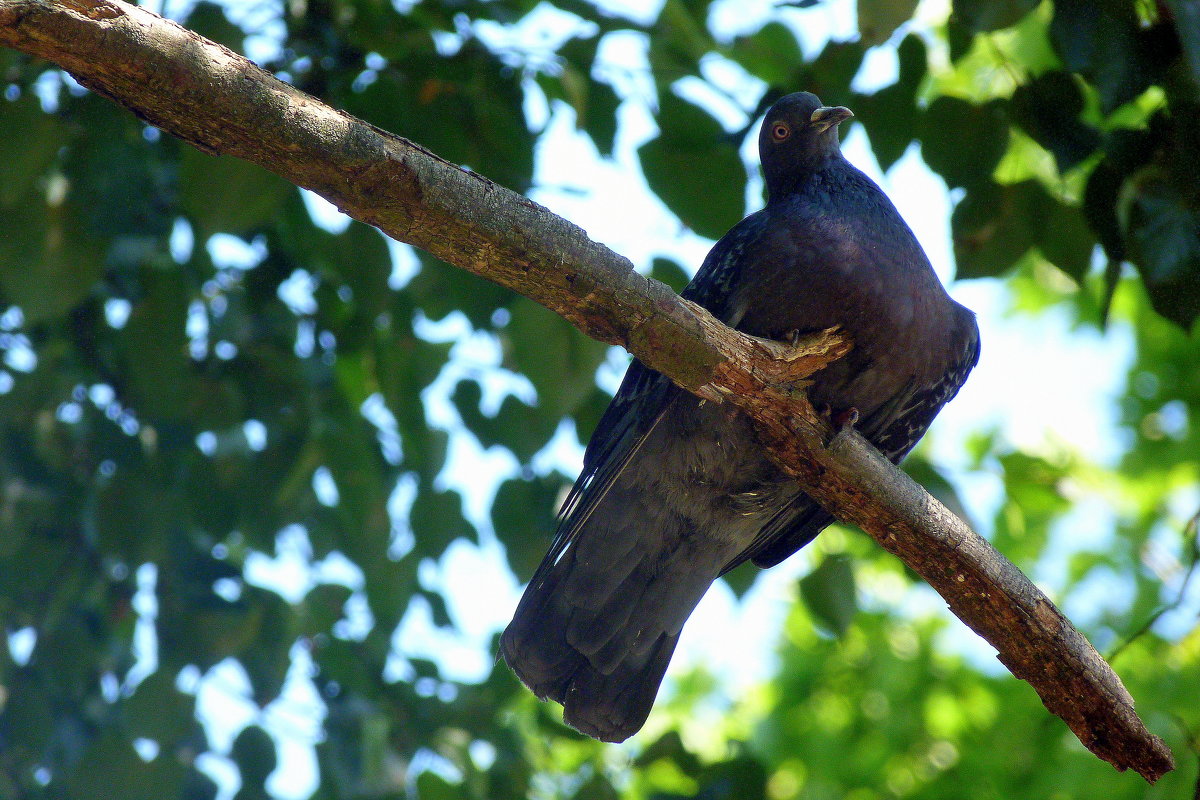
(843,422)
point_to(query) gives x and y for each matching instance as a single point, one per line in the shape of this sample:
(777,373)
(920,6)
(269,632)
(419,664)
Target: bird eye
(780,132)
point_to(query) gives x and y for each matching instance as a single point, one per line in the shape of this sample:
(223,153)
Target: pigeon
(676,491)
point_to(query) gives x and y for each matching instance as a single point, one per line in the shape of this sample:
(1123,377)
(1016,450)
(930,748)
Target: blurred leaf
(524,516)
(669,272)
(254,752)
(1187,24)
(466,107)
(694,167)
(559,360)
(771,54)
(437,520)
(227,194)
(440,289)
(209,20)
(159,711)
(990,15)
(991,229)
(830,594)
(1106,43)
(48,264)
(30,142)
(155,348)
(1048,108)
(111,770)
(890,115)
(878,19)
(1164,242)
(963,142)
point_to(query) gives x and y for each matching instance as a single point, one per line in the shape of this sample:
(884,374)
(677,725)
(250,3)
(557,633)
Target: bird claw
(843,422)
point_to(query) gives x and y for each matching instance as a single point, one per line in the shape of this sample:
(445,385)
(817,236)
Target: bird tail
(596,633)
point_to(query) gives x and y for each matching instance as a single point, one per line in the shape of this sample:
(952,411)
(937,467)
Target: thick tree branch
(218,101)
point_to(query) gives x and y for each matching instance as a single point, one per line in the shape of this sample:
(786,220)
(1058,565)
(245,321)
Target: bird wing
(894,429)
(645,396)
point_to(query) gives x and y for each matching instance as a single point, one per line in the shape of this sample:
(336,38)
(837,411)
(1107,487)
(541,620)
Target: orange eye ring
(780,131)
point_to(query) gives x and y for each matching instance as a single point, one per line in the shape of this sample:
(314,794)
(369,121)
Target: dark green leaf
(990,15)
(437,520)
(830,594)
(890,115)
(254,752)
(226,194)
(48,263)
(1107,44)
(439,289)
(1163,235)
(159,711)
(1187,24)
(963,142)
(1048,108)
(991,230)
(31,140)
(559,360)
(523,515)
(209,20)
(112,770)
(155,349)
(694,167)
(669,272)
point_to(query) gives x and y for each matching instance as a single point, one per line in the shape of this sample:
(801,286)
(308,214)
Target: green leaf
(771,54)
(963,142)
(254,752)
(1048,108)
(694,167)
(440,289)
(209,20)
(830,594)
(990,15)
(1064,239)
(1163,234)
(669,272)
(159,369)
(159,711)
(111,769)
(524,516)
(48,262)
(1106,43)
(120,184)
(436,519)
(890,115)
(466,107)
(227,194)
(559,360)
(879,19)
(521,428)
(991,230)
(1187,24)
(30,142)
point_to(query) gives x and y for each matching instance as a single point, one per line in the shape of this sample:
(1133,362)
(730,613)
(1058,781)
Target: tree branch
(222,103)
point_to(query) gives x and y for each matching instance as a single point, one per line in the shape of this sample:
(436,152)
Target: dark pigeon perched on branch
(676,491)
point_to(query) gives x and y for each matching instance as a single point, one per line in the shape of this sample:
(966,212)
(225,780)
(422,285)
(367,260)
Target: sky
(1039,382)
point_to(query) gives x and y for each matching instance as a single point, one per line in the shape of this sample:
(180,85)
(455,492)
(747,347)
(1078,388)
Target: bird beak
(827,117)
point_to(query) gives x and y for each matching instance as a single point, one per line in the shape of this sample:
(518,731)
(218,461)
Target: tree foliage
(193,366)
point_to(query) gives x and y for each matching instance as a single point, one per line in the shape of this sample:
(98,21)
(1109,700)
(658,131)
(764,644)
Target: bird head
(798,136)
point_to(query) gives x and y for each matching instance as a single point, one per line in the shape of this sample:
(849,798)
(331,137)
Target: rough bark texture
(223,104)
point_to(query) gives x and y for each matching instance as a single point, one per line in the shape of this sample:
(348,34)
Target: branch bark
(223,104)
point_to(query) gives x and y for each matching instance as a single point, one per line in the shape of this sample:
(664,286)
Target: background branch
(224,104)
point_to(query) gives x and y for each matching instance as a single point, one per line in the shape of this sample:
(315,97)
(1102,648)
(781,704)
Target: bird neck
(785,180)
